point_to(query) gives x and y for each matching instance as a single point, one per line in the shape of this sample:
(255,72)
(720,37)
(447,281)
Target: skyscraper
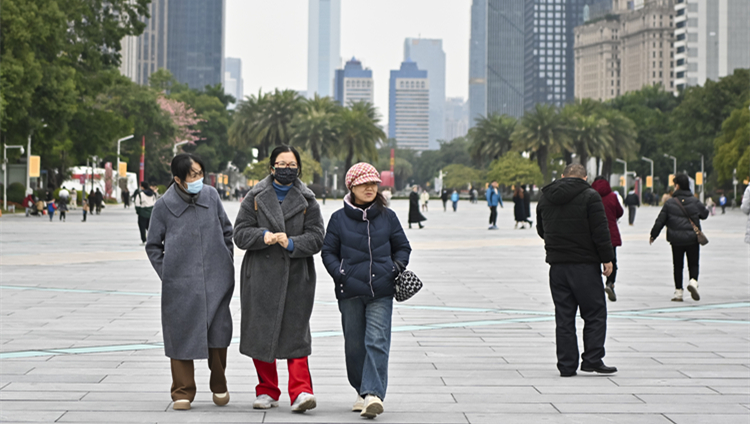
(711,40)
(195,42)
(549,60)
(129,57)
(187,38)
(323,45)
(409,107)
(353,84)
(456,118)
(233,83)
(496,58)
(429,54)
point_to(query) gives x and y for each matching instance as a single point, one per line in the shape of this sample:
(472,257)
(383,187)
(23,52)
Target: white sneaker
(265,402)
(359,404)
(373,407)
(304,402)
(677,295)
(181,405)
(693,289)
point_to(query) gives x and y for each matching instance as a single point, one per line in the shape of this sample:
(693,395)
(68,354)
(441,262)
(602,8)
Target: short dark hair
(182,164)
(144,185)
(575,170)
(683,181)
(282,149)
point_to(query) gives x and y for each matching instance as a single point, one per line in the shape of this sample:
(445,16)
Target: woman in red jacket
(614,212)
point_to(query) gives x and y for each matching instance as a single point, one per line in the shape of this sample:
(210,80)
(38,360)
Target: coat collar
(296,201)
(177,206)
(356,213)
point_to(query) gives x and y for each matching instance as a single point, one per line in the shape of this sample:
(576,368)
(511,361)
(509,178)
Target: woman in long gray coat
(190,246)
(280,226)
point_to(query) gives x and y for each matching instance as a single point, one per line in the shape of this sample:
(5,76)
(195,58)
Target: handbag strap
(687,215)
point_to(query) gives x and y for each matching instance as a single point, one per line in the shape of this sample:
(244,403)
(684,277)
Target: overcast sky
(271,39)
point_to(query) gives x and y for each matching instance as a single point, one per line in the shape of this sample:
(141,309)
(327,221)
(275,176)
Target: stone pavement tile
(192,416)
(30,416)
(650,408)
(716,398)
(344,415)
(678,418)
(623,372)
(60,405)
(37,395)
(639,390)
(732,390)
(53,378)
(545,398)
(683,382)
(593,418)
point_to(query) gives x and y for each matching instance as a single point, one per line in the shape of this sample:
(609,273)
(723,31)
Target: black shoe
(601,369)
(610,290)
(569,374)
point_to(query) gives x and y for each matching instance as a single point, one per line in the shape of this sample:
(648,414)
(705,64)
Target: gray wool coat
(190,247)
(277,287)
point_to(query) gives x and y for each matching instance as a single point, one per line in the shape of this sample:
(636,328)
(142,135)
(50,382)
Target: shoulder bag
(702,239)
(407,284)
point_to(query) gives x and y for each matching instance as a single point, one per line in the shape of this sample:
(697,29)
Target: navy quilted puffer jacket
(360,248)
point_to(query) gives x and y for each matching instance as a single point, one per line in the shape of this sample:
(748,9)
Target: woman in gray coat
(280,226)
(190,246)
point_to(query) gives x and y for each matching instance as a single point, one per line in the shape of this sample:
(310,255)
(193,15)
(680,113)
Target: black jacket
(360,248)
(679,230)
(414,214)
(571,220)
(632,200)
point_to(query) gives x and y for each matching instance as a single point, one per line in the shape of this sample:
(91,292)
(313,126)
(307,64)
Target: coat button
(342,291)
(373,275)
(268,256)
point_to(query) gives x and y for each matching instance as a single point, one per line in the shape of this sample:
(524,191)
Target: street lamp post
(625,164)
(674,163)
(179,143)
(5,171)
(703,187)
(28,159)
(117,172)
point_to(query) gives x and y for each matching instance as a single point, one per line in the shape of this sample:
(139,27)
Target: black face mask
(285,176)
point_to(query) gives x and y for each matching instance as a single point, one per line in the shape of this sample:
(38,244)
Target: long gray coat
(190,247)
(277,287)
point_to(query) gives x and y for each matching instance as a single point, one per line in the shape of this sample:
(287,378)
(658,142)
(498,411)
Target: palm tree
(541,131)
(623,134)
(317,128)
(264,120)
(490,137)
(590,137)
(359,133)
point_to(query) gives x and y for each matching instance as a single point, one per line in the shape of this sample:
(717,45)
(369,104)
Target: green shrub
(162,189)
(16,192)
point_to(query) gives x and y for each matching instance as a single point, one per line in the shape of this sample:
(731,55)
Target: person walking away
(99,199)
(51,209)
(614,211)
(125,196)
(667,195)
(64,196)
(527,205)
(387,195)
(632,202)
(454,200)
(711,206)
(677,214)
(444,197)
(572,221)
(745,207)
(493,200)
(39,207)
(190,247)
(73,199)
(723,203)
(63,207)
(415,217)
(280,227)
(363,244)
(85,208)
(28,202)
(145,199)
(472,195)
(425,198)
(519,207)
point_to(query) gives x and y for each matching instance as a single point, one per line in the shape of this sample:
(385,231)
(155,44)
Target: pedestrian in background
(125,195)
(723,203)
(677,214)
(415,217)
(424,198)
(614,211)
(572,221)
(667,195)
(493,200)
(527,205)
(144,200)
(28,202)
(280,227)
(454,200)
(51,209)
(444,196)
(99,199)
(387,195)
(64,196)
(190,247)
(73,199)
(632,202)
(519,207)
(63,207)
(363,242)
(745,207)
(85,209)
(711,206)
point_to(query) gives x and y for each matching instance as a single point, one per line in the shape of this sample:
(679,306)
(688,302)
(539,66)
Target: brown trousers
(183,375)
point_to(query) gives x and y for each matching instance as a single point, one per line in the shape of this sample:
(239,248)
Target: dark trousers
(578,286)
(143,226)
(493,215)
(183,375)
(613,275)
(631,214)
(678,257)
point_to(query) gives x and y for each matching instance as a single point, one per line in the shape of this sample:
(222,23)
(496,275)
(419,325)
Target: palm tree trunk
(598,166)
(568,157)
(349,157)
(541,159)
(584,158)
(316,155)
(607,168)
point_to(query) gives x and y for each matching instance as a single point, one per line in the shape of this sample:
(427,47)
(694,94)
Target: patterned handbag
(407,283)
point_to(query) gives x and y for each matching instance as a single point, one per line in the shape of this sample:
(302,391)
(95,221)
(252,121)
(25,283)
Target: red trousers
(268,379)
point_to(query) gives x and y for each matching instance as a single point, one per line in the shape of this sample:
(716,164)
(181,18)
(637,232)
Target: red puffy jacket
(611,207)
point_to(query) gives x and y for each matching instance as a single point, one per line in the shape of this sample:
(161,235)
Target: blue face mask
(195,187)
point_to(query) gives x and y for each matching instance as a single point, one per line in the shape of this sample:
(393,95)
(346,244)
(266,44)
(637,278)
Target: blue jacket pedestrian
(493,197)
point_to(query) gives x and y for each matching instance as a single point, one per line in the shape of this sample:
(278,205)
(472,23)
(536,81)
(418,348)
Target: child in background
(85,208)
(63,206)
(51,209)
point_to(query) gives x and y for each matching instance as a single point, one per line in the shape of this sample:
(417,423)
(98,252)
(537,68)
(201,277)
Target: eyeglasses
(194,174)
(285,164)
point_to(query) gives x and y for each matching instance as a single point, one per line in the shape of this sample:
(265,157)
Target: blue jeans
(367,342)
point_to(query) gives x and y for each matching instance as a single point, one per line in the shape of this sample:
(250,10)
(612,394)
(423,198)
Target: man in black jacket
(571,220)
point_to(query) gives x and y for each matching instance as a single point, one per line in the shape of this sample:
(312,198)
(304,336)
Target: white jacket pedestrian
(746,209)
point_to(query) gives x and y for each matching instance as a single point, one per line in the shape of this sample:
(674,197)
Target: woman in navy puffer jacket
(363,241)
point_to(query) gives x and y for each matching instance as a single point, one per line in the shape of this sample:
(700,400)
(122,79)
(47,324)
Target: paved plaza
(80,331)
